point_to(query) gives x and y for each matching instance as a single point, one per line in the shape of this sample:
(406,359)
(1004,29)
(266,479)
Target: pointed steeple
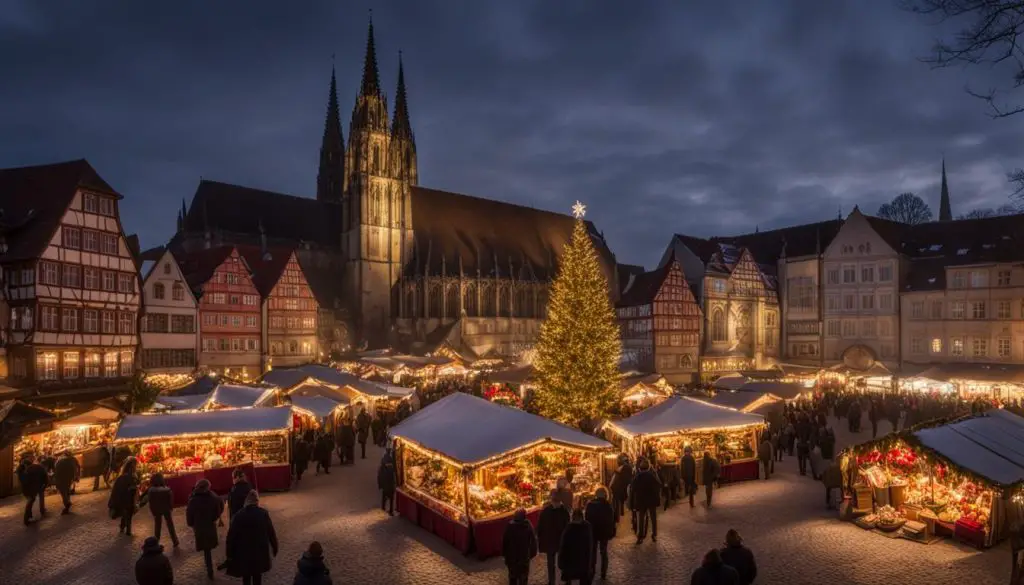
(371,78)
(331,177)
(945,209)
(400,125)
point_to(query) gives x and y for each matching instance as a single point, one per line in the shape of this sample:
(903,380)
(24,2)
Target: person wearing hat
(153,567)
(311,568)
(251,542)
(519,546)
(601,516)
(203,512)
(619,485)
(65,473)
(739,557)
(713,571)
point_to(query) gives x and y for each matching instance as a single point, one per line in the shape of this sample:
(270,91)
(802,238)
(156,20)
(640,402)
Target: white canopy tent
(235,396)
(140,427)
(783,390)
(317,406)
(730,382)
(681,413)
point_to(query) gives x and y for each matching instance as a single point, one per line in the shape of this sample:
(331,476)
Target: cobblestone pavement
(783,520)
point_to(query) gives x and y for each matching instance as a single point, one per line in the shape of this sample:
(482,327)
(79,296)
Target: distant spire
(400,125)
(945,209)
(330,177)
(371,78)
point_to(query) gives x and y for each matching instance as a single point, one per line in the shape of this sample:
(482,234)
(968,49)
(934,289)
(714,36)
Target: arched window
(487,293)
(158,290)
(685,361)
(293,347)
(524,301)
(505,301)
(452,302)
(376,159)
(434,302)
(178,291)
(718,325)
(470,300)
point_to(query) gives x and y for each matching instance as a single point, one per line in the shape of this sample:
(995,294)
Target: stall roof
(734,382)
(338,378)
(318,405)
(285,378)
(187,402)
(234,396)
(314,388)
(244,420)
(995,373)
(784,390)
(630,380)
(991,445)
(471,430)
(517,375)
(681,413)
(741,400)
(876,370)
(99,415)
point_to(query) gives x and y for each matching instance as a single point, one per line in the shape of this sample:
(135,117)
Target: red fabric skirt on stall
(181,486)
(449,530)
(272,478)
(488,534)
(740,471)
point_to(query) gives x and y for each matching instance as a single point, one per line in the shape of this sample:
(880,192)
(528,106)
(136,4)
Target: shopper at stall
(363,430)
(33,479)
(709,475)
(602,518)
(240,488)
(575,549)
(564,490)
(713,571)
(251,542)
(645,495)
(519,546)
(347,444)
(311,568)
(123,493)
(161,504)
(377,429)
(153,567)
(833,480)
(386,482)
(688,469)
(103,467)
(322,453)
(300,457)
(619,485)
(739,557)
(764,453)
(550,526)
(203,512)
(66,471)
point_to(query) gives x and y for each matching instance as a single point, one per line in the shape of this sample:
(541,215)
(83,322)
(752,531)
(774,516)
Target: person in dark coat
(301,457)
(123,496)
(153,567)
(203,512)
(764,453)
(387,482)
(311,567)
(322,451)
(377,430)
(363,430)
(103,467)
(550,526)
(645,497)
(66,471)
(519,546)
(739,557)
(710,472)
(601,516)
(347,444)
(714,572)
(688,469)
(33,479)
(576,548)
(240,489)
(161,504)
(873,417)
(251,542)
(619,486)
(833,480)
(803,454)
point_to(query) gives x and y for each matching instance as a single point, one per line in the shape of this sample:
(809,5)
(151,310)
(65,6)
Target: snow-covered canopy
(990,445)
(730,382)
(318,406)
(100,415)
(470,429)
(188,402)
(336,377)
(138,427)
(743,401)
(784,390)
(234,396)
(681,413)
(516,375)
(285,378)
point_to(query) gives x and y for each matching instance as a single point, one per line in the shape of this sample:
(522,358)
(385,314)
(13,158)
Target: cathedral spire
(330,178)
(371,78)
(400,125)
(945,209)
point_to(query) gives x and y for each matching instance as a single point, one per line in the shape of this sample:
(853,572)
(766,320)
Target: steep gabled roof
(893,232)
(768,246)
(626,274)
(326,285)
(199,266)
(33,201)
(644,287)
(266,267)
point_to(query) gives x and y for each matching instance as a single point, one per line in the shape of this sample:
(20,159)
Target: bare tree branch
(906,208)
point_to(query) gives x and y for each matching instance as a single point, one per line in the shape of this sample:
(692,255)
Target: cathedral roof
(768,246)
(489,236)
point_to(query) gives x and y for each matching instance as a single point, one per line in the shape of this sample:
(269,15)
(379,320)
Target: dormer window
(107,206)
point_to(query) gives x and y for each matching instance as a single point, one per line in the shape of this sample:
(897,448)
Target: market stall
(238,396)
(314,412)
(643,390)
(82,432)
(190,446)
(17,419)
(961,479)
(465,464)
(787,391)
(745,401)
(179,404)
(997,382)
(729,382)
(664,430)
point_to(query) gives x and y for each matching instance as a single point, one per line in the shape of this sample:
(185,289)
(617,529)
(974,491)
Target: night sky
(708,120)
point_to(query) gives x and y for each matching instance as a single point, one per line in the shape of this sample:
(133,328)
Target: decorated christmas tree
(576,371)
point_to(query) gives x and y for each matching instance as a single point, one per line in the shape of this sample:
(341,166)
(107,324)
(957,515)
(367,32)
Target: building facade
(71,282)
(801,296)
(660,322)
(289,308)
(170,327)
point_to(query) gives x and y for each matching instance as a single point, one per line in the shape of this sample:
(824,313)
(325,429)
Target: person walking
(363,430)
(65,473)
(201,515)
(240,488)
(123,496)
(688,469)
(33,479)
(161,504)
(776,447)
(574,552)
(153,567)
(318,452)
(619,485)
(251,542)
(347,444)
(817,463)
(739,557)
(550,526)
(803,453)
(301,457)
(713,571)
(387,482)
(873,418)
(519,546)
(764,453)
(710,472)
(645,494)
(602,518)
(102,467)
(311,568)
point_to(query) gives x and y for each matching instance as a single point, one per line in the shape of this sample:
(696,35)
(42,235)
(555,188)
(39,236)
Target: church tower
(330,180)
(377,211)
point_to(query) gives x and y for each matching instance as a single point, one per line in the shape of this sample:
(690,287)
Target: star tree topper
(579,210)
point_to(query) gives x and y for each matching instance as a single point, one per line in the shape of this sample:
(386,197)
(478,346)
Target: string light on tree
(576,370)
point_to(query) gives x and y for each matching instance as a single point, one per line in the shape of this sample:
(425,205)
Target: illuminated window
(127,364)
(956,346)
(70,365)
(177,291)
(718,325)
(1003,347)
(110,364)
(936,345)
(46,366)
(979,347)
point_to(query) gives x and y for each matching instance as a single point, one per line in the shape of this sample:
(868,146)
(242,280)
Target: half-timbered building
(70,281)
(170,328)
(230,322)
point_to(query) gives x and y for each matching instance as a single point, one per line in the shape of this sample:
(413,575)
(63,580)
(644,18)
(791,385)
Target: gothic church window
(434,303)
(718,325)
(487,293)
(376,159)
(524,302)
(452,302)
(505,302)
(470,302)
